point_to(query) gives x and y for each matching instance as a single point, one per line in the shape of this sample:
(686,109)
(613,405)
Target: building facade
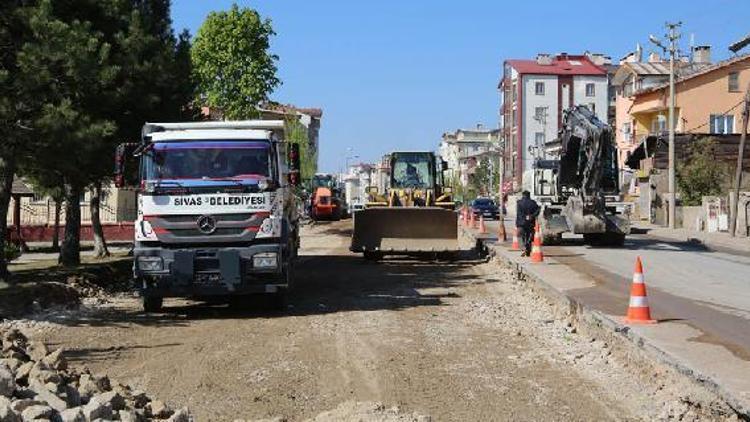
(635,76)
(463,149)
(534,94)
(706,101)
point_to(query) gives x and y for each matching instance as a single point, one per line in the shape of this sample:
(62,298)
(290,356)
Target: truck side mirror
(123,153)
(294,164)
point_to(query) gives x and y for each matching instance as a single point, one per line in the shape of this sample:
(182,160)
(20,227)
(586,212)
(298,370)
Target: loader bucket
(405,230)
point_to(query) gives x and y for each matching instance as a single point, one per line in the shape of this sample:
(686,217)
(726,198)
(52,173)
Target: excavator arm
(587,173)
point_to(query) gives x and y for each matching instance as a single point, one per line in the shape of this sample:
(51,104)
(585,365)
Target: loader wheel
(373,256)
(152,303)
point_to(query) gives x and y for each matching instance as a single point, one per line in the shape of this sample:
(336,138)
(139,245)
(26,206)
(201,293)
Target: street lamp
(672,37)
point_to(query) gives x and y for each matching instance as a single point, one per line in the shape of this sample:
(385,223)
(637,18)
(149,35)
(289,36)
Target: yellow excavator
(415,215)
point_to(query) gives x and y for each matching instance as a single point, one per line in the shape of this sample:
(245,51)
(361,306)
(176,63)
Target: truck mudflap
(405,230)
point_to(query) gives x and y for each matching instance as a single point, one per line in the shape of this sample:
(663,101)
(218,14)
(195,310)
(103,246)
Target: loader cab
(413,170)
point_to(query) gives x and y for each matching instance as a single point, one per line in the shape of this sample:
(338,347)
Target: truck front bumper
(210,271)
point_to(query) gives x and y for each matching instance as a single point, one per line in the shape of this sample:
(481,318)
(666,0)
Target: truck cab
(217,215)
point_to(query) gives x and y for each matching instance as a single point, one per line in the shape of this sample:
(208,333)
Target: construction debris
(36,384)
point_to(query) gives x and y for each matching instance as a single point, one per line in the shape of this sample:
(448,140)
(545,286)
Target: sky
(396,74)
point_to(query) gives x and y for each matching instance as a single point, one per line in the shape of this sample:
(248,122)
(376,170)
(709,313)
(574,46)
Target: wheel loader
(415,215)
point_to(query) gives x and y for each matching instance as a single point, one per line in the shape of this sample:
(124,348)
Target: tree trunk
(7,169)
(56,232)
(70,253)
(100,244)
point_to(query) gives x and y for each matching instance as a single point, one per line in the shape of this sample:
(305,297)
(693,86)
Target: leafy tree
(147,77)
(701,173)
(480,180)
(153,81)
(233,67)
(68,61)
(295,132)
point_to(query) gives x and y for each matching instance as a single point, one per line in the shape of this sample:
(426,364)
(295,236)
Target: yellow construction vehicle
(415,215)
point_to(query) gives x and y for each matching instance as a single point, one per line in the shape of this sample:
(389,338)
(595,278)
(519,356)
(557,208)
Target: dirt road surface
(455,341)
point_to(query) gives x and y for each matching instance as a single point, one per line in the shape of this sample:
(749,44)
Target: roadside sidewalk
(716,241)
(568,279)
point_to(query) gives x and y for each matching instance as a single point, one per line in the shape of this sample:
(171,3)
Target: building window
(626,132)
(539,138)
(659,124)
(721,123)
(539,88)
(734,81)
(540,113)
(590,90)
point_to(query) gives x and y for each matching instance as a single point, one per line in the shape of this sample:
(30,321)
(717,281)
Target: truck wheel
(152,303)
(279,300)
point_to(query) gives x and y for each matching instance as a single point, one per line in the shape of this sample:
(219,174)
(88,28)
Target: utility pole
(734,202)
(672,36)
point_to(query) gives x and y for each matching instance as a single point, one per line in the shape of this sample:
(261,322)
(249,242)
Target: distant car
(485,207)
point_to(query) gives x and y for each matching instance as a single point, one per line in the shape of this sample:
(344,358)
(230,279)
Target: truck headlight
(150,263)
(265,260)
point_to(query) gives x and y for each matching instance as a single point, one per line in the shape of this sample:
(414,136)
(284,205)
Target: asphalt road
(686,282)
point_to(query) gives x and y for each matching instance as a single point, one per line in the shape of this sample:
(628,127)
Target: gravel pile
(36,384)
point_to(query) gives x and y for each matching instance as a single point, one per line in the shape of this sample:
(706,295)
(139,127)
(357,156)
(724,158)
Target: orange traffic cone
(515,246)
(536,247)
(472,220)
(502,236)
(638,309)
(482,227)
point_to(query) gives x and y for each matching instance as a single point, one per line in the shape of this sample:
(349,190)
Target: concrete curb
(605,324)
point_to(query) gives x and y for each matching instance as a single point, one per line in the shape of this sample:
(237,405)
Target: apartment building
(463,149)
(534,94)
(635,76)
(706,101)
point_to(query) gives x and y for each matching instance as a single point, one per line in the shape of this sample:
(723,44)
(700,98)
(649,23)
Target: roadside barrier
(536,247)
(638,309)
(515,246)
(482,227)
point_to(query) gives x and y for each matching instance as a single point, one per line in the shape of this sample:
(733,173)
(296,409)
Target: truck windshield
(412,170)
(208,160)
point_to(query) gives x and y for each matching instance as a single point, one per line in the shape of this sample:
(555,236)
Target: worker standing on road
(527,210)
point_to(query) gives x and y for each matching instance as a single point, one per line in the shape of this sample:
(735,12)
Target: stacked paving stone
(38,385)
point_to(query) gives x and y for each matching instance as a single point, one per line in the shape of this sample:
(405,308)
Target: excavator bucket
(405,230)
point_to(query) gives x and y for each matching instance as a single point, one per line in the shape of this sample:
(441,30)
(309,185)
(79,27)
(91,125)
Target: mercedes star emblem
(207,224)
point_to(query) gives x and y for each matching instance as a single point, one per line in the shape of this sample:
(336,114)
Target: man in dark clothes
(527,211)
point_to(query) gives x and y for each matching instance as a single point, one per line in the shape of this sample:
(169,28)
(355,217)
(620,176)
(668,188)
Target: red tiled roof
(571,65)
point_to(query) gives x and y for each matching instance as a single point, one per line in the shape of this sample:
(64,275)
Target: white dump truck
(217,215)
